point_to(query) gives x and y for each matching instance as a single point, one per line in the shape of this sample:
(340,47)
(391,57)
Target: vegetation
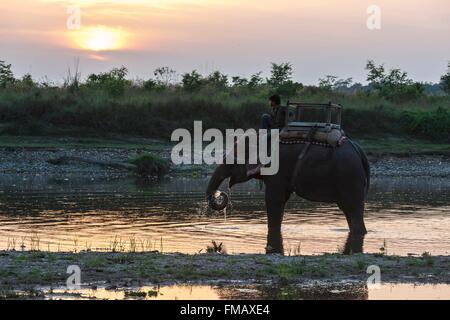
(113,82)
(150,165)
(6,75)
(30,269)
(216,248)
(394,85)
(445,81)
(392,104)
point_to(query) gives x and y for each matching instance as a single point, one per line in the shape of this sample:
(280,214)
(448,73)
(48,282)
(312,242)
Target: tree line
(387,83)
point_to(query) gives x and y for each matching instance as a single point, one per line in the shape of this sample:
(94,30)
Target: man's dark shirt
(279,117)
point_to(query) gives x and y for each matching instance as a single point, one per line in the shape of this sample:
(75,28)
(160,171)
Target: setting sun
(99,38)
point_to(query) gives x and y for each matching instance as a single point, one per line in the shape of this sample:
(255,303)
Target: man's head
(275,101)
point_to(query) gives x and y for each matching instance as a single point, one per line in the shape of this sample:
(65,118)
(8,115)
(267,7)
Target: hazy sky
(237,37)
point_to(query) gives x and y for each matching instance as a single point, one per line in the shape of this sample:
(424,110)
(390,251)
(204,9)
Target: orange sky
(237,37)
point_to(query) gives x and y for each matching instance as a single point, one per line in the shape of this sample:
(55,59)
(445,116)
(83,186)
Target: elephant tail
(365,162)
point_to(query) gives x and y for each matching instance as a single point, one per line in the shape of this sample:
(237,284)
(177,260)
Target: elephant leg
(354,244)
(275,202)
(354,213)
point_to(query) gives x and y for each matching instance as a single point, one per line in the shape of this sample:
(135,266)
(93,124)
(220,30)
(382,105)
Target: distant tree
(394,84)
(280,74)
(150,84)
(192,81)
(255,80)
(217,80)
(239,82)
(6,75)
(281,79)
(334,83)
(445,80)
(376,75)
(114,81)
(433,89)
(356,88)
(165,76)
(27,81)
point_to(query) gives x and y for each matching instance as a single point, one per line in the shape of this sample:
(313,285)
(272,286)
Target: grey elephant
(339,175)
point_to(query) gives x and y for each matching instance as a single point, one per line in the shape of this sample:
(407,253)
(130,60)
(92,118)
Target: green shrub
(113,82)
(150,165)
(445,80)
(394,84)
(192,81)
(433,125)
(6,75)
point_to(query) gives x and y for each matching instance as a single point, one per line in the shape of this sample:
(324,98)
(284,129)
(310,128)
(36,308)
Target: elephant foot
(354,244)
(273,250)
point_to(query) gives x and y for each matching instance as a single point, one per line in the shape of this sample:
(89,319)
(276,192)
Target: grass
(94,262)
(86,142)
(389,144)
(22,269)
(144,120)
(138,112)
(425,260)
(117,244)
(216,248)
(374,145)
(150,165)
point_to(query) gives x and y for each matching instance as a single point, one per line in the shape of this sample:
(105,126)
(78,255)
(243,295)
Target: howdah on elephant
(339,175)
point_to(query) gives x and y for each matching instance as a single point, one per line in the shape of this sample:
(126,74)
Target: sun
(100,38)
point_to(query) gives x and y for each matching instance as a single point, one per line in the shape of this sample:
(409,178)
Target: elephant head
(238,173)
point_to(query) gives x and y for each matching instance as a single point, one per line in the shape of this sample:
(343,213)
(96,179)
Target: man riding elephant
(277,118)
(336,173)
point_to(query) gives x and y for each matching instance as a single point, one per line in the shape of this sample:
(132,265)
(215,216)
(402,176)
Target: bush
(192,81)
(434,125)
(6,75)
(445,81)
(150,165)
(217,80)
(369,121)
(113,82)
(393,85)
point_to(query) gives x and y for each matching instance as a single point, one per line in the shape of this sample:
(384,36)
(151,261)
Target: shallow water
(403,216)
(387,291)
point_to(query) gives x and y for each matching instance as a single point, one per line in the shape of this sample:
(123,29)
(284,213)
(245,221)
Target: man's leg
(266,121)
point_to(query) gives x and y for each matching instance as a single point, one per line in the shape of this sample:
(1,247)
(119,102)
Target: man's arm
(280,118)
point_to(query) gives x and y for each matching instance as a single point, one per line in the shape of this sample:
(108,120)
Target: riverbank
(28,157)
(30,270)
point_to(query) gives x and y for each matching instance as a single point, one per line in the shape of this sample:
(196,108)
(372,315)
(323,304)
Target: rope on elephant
(317,143)
(304,142)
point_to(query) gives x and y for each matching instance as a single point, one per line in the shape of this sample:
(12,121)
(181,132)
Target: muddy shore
(25,270)
(26,162)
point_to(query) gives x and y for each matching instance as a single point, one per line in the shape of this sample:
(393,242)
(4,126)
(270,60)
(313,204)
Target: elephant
(339,175)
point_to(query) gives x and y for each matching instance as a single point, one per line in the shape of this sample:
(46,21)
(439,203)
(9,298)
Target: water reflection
(311,291)
(403,215)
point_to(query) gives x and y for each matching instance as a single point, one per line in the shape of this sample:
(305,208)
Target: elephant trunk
(217,200)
